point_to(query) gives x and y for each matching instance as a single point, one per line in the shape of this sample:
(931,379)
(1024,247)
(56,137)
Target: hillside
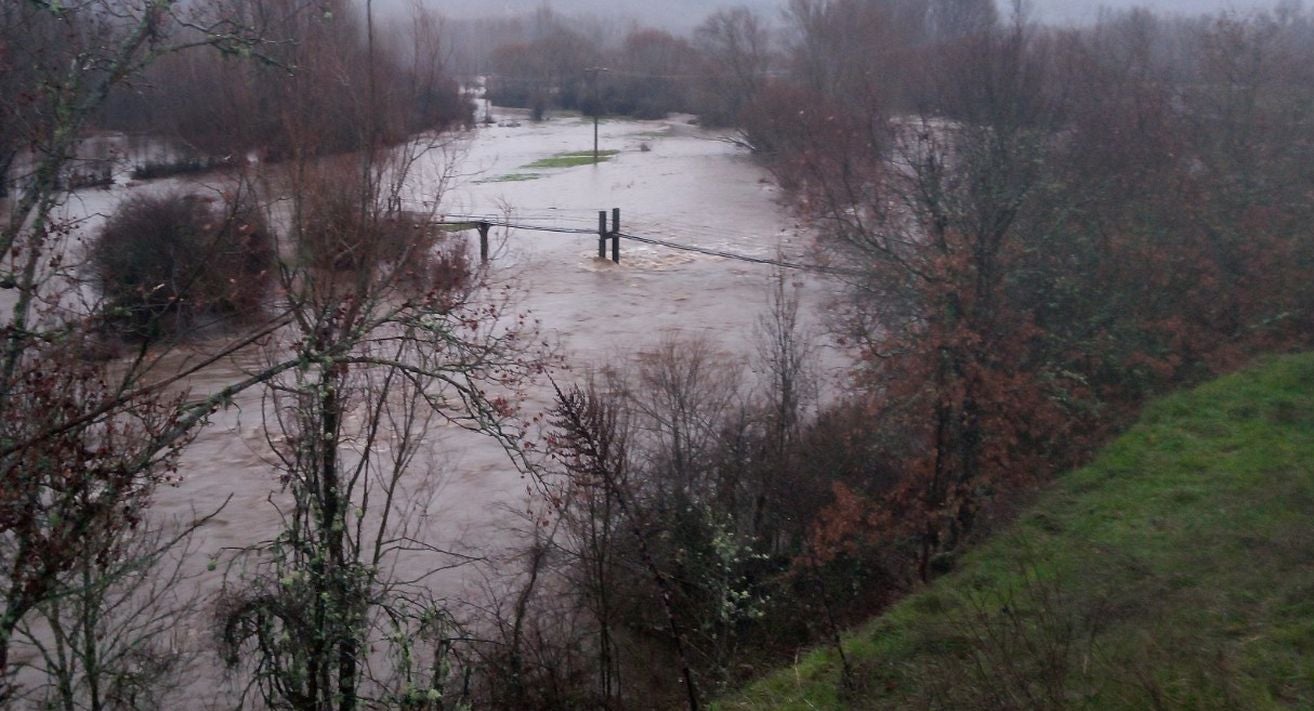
(1176,571)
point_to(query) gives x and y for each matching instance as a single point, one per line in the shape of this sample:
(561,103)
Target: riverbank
(1173,572)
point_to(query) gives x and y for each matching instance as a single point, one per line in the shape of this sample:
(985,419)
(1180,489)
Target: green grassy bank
(1175,572)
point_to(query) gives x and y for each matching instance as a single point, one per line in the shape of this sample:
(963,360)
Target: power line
(740,257)
(457,220)
(472,220)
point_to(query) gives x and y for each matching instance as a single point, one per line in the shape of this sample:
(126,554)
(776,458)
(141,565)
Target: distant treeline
(552,61)
(227,103)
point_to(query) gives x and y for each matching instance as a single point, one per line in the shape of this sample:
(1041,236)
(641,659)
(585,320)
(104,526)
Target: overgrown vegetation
(1029,271)
(1041,228)
(378,316)
(1172,572)
(162,262)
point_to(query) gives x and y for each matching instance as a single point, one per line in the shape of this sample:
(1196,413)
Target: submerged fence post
(483,240)
(602,234)
(615,235)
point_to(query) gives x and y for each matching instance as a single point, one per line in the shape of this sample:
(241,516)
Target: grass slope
(1176,571)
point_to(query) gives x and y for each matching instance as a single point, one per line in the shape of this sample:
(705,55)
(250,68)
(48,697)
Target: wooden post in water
(602,234)
(615,235)
(483,240)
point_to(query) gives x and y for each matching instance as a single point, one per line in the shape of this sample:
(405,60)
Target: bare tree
(83,448)
(786,352)
(392,334)
(736,49)
(115,634)
(85,443)
(592,447)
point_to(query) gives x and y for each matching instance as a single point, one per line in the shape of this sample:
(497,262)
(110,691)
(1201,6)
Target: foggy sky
(683,14)
(1083,11)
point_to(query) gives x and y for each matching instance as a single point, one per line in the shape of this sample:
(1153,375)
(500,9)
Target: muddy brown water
(671,180)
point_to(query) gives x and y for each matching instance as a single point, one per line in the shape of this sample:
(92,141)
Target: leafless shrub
(162,262)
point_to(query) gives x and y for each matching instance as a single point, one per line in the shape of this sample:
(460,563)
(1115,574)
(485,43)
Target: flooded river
(671,180)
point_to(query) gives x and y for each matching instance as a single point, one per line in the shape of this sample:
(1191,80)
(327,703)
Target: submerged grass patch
(570,160)
(512,178)
(1176,571)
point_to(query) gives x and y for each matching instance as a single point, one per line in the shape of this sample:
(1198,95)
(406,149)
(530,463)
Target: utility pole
(597,107)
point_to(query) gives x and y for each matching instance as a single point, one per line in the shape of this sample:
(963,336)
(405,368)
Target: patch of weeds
(1045,522)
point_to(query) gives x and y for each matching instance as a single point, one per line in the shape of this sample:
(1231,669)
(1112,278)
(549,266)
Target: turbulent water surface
(671,180)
